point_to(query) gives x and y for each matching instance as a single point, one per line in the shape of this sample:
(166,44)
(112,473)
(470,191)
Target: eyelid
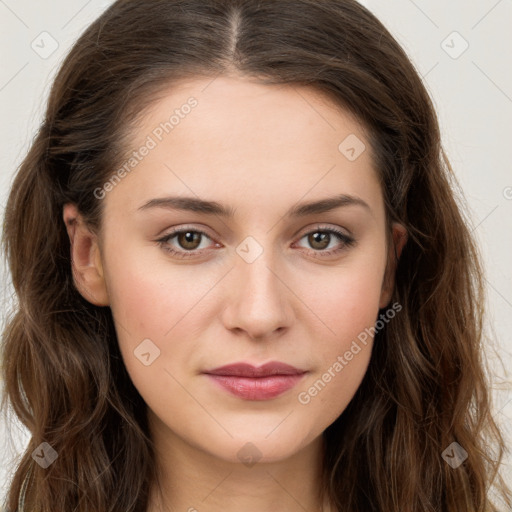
(186,227)
(324,227)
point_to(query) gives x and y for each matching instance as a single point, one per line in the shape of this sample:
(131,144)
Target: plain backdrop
(462,50)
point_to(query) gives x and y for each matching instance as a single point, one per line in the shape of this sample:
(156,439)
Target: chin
(259,447)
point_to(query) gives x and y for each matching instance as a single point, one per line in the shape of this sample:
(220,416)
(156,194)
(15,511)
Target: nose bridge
(255,267)
(259,303)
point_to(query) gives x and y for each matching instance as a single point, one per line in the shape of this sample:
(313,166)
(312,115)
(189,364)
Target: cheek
(346,302)
(150,310)
(147,298)
(348,307)
(341,359)
(145,305)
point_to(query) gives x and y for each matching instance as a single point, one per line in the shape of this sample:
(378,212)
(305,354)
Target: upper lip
(248,370)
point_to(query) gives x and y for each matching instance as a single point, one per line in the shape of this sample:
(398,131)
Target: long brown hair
(426,385)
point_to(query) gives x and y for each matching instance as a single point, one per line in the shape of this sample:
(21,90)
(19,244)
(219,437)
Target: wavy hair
(426,385)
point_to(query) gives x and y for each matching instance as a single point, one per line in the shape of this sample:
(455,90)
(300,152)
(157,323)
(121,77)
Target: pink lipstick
(256,383)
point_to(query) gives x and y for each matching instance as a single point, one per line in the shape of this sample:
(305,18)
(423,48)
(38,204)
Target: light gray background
(472,92)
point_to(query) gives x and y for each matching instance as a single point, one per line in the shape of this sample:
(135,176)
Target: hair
(426,385)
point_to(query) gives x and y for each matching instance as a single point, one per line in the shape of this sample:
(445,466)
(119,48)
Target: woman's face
(268,280)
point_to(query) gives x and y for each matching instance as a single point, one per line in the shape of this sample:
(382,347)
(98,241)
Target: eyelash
(345,239)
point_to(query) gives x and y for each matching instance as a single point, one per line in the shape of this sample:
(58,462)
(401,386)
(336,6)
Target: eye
(188,240)
(321,239)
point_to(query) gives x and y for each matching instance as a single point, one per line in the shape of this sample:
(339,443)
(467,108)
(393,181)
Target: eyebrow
(197,205)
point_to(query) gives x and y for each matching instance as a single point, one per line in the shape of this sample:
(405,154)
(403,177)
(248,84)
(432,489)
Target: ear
(399,236)
(85,258)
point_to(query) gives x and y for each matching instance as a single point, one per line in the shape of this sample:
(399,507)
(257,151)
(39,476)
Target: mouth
(249,382)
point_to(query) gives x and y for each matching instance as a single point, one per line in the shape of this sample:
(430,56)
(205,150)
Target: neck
(192,480)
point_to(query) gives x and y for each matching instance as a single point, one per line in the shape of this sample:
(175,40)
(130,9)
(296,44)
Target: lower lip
(257,388)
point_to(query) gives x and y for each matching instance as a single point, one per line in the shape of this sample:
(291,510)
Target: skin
(260,150)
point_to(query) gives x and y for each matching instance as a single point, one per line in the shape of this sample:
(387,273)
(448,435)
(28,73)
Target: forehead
(227,105)
(239,136)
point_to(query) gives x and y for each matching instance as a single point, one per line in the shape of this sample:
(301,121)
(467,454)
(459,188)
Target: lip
(256,383)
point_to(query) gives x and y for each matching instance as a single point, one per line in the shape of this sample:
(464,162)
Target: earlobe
(85,256)
(399,236)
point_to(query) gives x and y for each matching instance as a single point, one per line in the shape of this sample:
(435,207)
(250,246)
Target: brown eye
(189,240)
(319,240)
(185,243)
(327,241)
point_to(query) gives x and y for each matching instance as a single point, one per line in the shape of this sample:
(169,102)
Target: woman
(243,277)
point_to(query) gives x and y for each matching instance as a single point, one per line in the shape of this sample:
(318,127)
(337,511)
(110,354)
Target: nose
(258,298)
